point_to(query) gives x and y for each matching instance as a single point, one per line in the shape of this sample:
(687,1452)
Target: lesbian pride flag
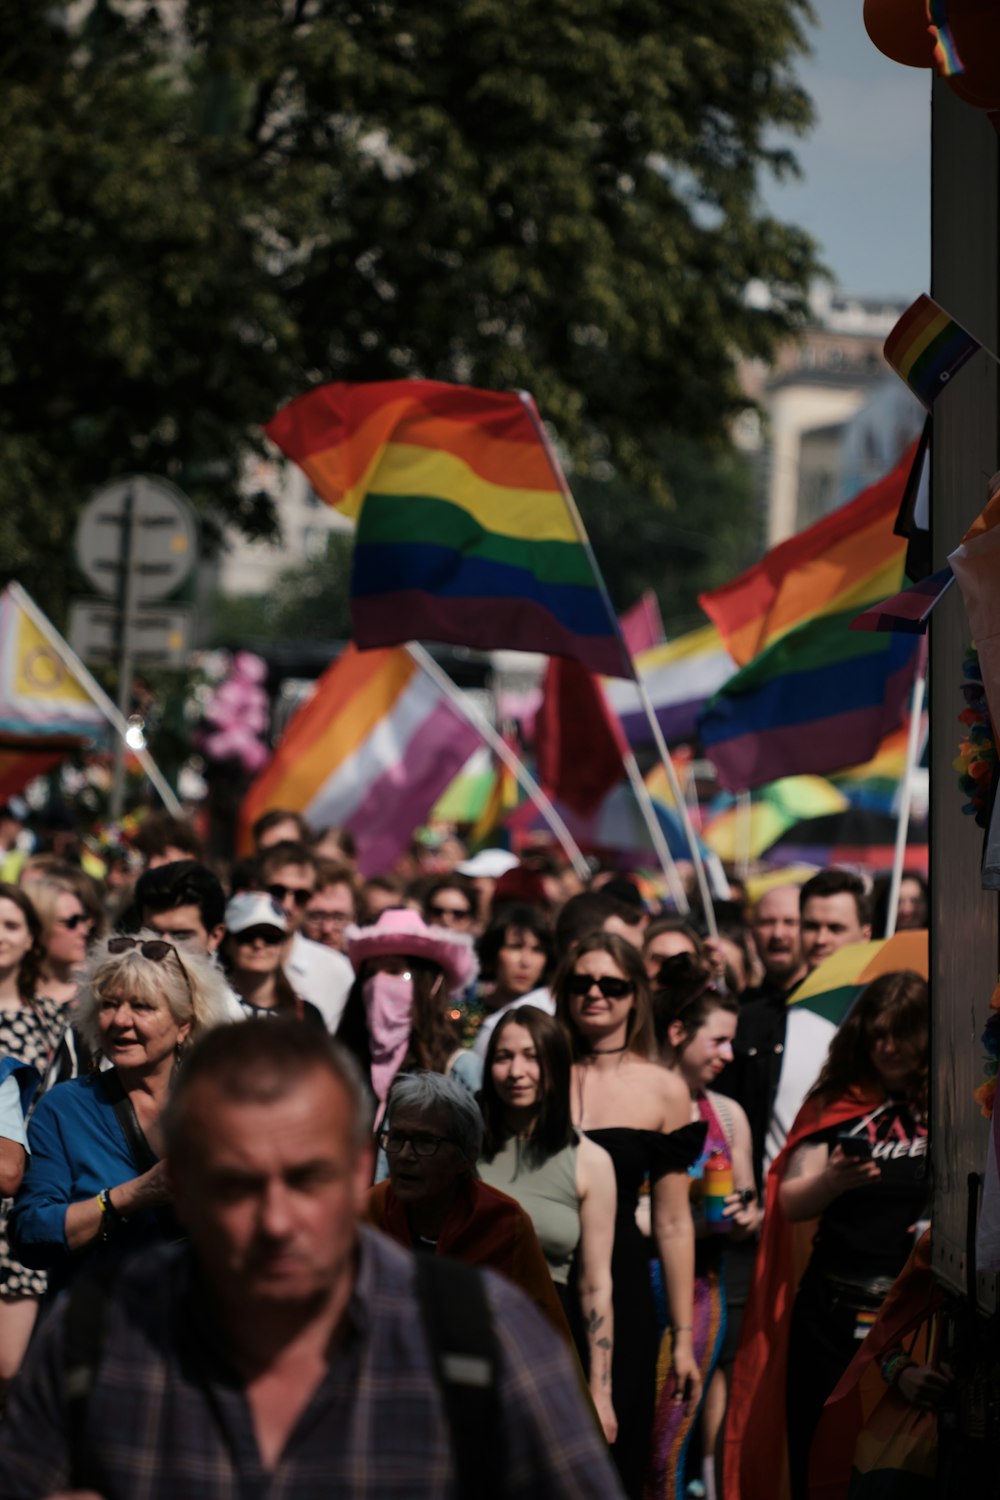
(371,751)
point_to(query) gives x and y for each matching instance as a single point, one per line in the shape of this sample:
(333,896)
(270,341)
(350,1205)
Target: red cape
(913,1300)
(755,1464)
(483,1228)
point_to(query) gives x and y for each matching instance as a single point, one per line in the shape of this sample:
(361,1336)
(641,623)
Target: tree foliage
(209,205)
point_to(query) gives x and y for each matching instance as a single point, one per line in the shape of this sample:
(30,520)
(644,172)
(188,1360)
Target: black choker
(607,1051)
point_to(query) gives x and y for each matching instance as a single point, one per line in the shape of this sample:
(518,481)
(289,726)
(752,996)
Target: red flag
(578,740)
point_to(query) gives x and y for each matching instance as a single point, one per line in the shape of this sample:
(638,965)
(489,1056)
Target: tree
(211,204)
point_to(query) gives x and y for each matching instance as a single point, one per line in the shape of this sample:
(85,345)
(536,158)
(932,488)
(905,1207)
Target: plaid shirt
(167,1417)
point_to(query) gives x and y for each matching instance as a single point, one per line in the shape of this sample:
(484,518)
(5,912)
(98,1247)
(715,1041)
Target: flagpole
(92,687)
(913,742)
(504,753)
(527,401)
(660,846)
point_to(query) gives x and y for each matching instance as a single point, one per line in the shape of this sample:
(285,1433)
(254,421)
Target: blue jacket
(77,1148)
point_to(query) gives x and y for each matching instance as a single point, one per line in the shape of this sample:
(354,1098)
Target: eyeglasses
(155,949)
(328,918)
(72,923)
(268,935)
(611,989)
(460,914)
(280,893)
(423,1143)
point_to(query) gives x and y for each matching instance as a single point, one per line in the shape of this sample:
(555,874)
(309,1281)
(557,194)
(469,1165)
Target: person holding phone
(856,1164)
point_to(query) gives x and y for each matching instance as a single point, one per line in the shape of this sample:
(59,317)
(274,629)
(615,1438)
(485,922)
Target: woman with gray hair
(95,1183)
(434,1201)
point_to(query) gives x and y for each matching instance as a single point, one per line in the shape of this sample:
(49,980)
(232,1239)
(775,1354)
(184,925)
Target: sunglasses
(611,989)
(441,912)
(280,893)
(81,919)
(269,935)
(155,949)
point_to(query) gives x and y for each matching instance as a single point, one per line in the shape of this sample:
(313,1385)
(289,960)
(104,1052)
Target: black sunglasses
(449,911)
(75,921)
(279,893)
(269,935)
(611,989)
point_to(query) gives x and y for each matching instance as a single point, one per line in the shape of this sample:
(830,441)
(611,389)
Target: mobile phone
(855,1145)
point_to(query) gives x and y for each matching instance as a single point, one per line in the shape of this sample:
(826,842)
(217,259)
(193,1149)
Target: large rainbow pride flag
(813,696)
(462,530)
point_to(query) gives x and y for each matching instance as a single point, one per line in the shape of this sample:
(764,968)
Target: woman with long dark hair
(564,1181)
(641,1114)
(695,1021)
(855,1165)
(400,1015)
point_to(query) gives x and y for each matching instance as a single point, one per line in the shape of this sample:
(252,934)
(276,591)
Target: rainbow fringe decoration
(946,59)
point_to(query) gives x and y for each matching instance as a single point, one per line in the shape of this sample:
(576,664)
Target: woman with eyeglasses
(433,1201)
(561,1179)
(694,1018)
(31,1028)
(95,1184)
(641,1114)
(256,928)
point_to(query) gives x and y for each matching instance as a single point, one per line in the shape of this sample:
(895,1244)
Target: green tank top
(548,1196)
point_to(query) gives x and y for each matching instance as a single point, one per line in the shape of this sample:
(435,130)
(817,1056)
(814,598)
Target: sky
(865,190)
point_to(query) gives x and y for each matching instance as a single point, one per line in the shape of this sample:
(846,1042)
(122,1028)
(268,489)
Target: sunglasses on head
(611,989)
(155,949)
(79,919)
(280,893)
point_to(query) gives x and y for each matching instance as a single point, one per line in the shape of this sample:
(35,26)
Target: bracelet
(111,1214)
(894,1365)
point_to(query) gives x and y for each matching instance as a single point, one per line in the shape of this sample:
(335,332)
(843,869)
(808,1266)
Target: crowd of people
(566,1086)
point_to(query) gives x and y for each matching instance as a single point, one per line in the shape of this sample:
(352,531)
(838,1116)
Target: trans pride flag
(463,533)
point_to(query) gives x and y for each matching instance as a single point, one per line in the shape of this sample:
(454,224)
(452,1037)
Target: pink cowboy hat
(404,933)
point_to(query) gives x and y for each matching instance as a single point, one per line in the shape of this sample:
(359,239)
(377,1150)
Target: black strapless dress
(636,1154)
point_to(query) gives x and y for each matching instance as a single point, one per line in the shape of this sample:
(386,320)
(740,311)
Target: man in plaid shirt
(282,1354)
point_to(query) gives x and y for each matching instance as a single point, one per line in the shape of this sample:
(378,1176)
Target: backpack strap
(459,1325)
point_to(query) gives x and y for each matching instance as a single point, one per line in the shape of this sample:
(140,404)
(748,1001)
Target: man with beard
(753,1077)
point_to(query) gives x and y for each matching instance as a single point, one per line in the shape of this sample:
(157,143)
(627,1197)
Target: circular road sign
(163,542)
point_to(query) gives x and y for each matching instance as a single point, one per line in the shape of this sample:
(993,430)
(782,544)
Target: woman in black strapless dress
(640,1113)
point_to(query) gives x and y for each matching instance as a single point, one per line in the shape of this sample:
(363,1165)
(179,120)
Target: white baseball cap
(254,909)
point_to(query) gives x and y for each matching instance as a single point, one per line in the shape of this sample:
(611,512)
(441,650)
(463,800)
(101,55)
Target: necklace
(607,1051)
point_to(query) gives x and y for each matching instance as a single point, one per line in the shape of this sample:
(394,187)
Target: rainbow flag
(680,677)
(874,784)
(909,610)
(747,832)
(845,561)
(371,751)
(462,530)
(927,347)
(814,697)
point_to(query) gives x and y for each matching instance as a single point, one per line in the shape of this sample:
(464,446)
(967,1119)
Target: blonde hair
(189,984)
(44,896)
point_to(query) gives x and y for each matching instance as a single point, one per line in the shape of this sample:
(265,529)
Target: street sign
(163,537)
(161,634)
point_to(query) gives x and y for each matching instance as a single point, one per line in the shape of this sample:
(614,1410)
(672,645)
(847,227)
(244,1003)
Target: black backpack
(459,1326)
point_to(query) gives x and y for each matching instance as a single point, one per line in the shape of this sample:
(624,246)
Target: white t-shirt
(807,1042)
(321,975)
(541,999)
